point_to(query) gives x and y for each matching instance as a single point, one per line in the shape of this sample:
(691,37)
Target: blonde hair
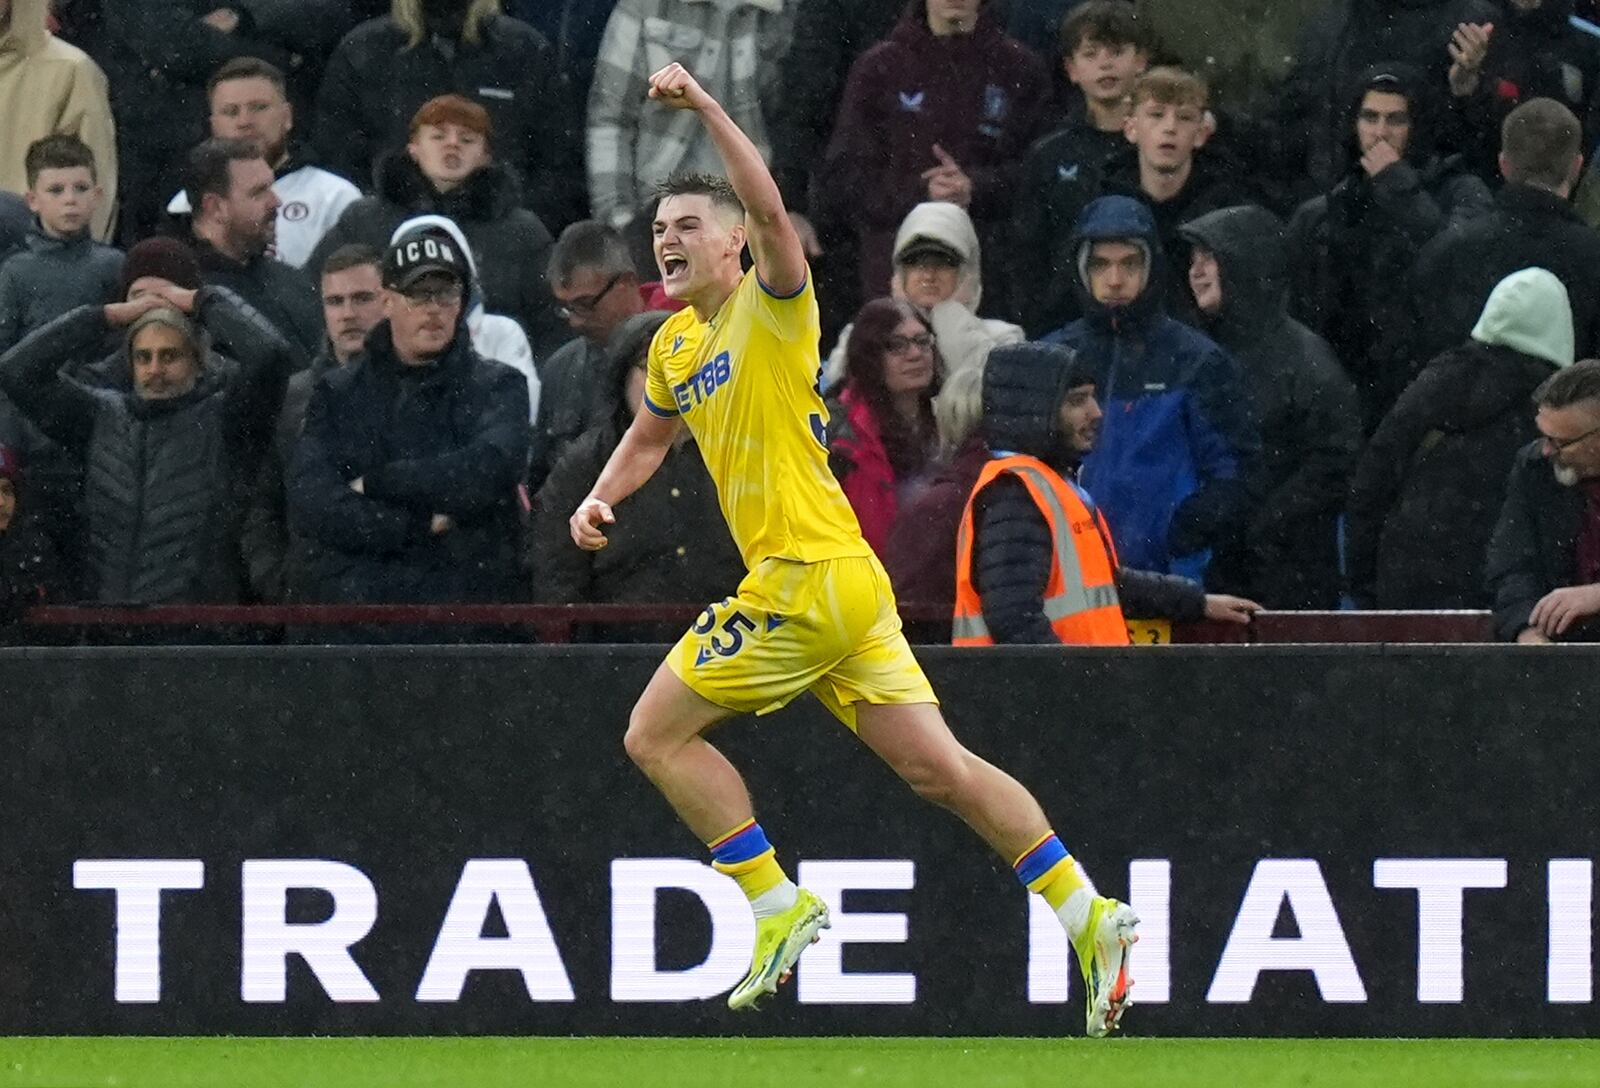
(409,15)
(958,409)
(1171,86)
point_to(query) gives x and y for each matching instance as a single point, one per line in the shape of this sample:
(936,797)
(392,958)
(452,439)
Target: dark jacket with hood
(509,242)
(980,96)
(51,276)
(1534,547)
(274,290)
(1023,388)
(1527,227)
(1171,467)
(1424,497)
(448,438)
(670,542)
(1309,122)
(1287,557)
(1356,244)
(1048,208)
(375,83)
(166,481)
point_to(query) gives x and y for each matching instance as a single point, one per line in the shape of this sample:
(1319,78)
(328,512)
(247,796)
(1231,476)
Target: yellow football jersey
(746,382)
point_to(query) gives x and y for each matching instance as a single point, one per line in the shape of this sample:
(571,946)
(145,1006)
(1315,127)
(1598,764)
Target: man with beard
(1027,513)
(229,186)
(249,102)
(1544,557)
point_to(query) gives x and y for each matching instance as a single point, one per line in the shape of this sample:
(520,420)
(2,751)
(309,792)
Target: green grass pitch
(792,1063)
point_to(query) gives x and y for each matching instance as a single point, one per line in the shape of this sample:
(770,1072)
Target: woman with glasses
(881,430)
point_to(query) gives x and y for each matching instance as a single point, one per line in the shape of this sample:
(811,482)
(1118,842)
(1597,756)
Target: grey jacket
(49,276)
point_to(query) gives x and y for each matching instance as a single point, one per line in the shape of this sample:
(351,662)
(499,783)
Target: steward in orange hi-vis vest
(1080,599)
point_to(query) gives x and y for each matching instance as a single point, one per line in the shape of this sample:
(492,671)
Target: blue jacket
(1169,468)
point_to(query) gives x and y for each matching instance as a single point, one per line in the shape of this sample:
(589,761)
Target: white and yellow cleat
(1103,953)
(779,941)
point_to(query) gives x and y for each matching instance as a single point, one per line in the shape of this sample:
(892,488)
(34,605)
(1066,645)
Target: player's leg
(913,739)
(740,656)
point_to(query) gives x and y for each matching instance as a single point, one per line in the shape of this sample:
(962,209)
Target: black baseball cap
(421,252)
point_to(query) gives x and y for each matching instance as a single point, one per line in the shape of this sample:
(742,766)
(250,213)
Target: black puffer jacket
(450,438)
(670,542)
(166,482)
(1287,557)
(375,82)
(1354,247)
(510,243)
(1423,501)
(1023,388)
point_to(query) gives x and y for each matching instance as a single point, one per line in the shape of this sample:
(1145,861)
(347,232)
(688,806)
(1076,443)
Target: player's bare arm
(780,257)
(634,461)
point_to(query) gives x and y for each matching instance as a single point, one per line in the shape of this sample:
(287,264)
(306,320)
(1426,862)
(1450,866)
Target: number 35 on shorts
(725,634)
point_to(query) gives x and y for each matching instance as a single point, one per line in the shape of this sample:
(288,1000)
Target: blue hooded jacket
(1169,468)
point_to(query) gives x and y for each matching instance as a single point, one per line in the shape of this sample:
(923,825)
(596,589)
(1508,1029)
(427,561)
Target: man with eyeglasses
(404,482)
(596,289)
(1544,558)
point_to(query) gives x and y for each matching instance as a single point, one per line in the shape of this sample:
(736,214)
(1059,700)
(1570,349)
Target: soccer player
(815,612)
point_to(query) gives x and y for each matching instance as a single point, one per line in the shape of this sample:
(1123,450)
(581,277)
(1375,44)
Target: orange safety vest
(1080,599)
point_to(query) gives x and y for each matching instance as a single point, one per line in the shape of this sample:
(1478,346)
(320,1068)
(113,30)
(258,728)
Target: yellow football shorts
(829,627)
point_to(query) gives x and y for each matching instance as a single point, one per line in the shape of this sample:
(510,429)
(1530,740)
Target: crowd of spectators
(348,301)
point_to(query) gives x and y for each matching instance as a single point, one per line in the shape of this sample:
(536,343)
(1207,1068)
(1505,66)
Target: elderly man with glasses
(1544,558)
(596,288)
(404,483)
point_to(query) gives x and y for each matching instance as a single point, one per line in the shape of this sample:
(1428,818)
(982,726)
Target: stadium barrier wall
(1322,841)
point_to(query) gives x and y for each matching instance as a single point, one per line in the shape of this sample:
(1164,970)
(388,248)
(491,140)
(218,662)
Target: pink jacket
(856,449)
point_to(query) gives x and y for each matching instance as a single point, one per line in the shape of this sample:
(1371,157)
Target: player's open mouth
(673,266)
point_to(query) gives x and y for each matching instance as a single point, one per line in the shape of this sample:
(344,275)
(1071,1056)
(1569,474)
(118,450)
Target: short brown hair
(717,188)
(1171,86)
(352,255)
(1568,386)
(1539,140)
(452,109)
(1111,22)
(61,151)
(247,68)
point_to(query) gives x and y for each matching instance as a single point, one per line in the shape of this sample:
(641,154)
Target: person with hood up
(673,545)
(1171,468)
(943,109)
(1036,561)
(51,88)
(1356,244)
(938,268)
(391,66)
(494,336)
(449,168)
(1307,131)
(169,460)
(1287,556)
(881,432)
(404,483)
(1424,497)
(30,572)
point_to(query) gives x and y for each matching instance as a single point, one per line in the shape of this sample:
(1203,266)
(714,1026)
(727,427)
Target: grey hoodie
(50,276)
